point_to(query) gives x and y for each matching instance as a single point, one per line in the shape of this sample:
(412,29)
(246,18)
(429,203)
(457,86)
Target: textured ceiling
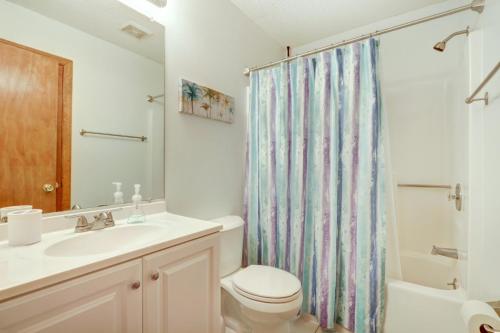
(297,22)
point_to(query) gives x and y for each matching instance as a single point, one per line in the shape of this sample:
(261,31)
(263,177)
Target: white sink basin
(102,241)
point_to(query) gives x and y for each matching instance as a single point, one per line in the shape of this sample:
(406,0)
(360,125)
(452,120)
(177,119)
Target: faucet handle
(82,224)
(110,221)
(99,222)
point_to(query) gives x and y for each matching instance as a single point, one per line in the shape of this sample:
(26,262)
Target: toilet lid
(266,284)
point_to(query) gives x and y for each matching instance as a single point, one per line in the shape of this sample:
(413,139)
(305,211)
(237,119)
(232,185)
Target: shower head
(441,45)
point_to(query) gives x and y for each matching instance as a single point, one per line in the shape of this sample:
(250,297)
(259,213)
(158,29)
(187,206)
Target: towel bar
(448,187)
(85,132)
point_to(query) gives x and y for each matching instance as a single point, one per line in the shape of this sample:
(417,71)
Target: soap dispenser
(118,195)
(138,215)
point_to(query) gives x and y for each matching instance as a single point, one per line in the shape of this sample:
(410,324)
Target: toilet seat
(271,308)
(266,284)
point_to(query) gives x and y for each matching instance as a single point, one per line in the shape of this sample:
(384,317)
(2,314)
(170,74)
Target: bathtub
(423,302)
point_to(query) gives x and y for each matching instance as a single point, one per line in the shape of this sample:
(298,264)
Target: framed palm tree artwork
(205,102)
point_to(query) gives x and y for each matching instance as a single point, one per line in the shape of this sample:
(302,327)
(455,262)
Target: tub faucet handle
(453,283)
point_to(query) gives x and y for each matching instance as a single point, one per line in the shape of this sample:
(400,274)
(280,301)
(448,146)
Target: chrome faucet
(101,221)
(445,252)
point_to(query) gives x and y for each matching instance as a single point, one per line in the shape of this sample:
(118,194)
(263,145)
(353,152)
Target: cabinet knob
(155,276)
(136,285)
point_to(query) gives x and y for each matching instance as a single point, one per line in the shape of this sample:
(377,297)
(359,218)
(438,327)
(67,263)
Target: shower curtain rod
(475,5)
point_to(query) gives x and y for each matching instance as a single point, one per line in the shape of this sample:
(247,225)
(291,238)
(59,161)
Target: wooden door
(182,289)
(35,128)
(101,302)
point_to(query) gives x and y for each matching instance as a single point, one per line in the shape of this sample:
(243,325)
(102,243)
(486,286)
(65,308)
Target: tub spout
(445,251)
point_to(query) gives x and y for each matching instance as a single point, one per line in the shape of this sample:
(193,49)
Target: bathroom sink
(102,241)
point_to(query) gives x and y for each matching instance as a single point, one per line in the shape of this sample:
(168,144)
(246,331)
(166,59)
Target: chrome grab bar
(448,187)
(488,77)
(457,196)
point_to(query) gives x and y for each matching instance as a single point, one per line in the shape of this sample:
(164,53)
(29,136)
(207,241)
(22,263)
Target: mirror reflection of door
(35,128)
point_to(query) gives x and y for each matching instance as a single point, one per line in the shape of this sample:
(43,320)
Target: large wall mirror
(81,103)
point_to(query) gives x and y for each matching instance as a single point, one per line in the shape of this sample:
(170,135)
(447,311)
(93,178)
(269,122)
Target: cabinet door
(102,302)
(181,288)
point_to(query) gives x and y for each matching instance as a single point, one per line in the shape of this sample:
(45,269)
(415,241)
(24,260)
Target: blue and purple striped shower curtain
(315,182)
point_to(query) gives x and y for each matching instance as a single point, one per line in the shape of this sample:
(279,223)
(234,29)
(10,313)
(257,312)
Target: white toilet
(257,299)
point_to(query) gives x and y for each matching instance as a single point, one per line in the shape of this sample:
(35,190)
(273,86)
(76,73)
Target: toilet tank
(231,244)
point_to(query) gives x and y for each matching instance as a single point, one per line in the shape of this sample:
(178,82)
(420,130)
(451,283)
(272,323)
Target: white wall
(109,89)
(484,247)
(210,43)
(424,94)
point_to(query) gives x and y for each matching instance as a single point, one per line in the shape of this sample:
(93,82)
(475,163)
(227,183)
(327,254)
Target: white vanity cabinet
(107,301)
(174,290)
(181,288)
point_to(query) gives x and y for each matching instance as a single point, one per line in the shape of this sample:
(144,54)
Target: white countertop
(24,269)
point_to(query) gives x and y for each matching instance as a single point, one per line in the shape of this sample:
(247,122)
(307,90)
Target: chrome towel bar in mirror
(85,132)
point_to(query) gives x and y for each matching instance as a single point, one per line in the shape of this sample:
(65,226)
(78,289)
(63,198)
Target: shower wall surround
(427,126)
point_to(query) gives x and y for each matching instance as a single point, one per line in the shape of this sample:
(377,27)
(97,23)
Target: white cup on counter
(24,227)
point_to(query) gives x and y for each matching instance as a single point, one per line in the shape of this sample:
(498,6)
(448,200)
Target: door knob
(135,285)
(48,188)
(155,276)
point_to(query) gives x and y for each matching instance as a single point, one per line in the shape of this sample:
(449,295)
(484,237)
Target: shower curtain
(314,202)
